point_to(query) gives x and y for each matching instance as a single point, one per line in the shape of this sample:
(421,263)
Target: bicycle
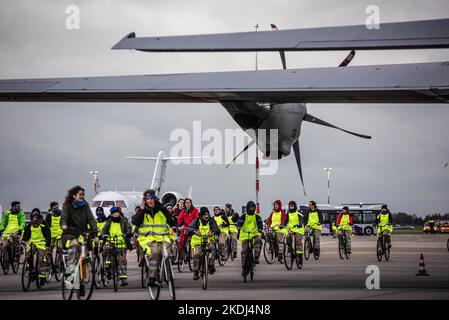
(112,256)
(382,248)
(30,269)
(204,260)
(14,252)
(270,248)
(343,245)
(164,275)
(309,246)
(81,281)
(249,257)
(290,254)
(184,252)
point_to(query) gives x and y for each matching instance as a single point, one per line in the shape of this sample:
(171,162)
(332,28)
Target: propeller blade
(244,149)
(348,59)
(298,162)
(310,118)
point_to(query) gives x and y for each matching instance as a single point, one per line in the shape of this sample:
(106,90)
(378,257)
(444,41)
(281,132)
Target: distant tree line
(404,218)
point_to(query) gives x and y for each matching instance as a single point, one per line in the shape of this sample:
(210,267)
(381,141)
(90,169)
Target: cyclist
(250,223)
(203,226)
(344,226)
(233,217)
(76,219)
(185,218)
(118,230)
(223,224)
(276,222)
(153,222)
(13,222)
(313,220)
(53,219)
(38,233)
(294,222)
(384,222)
(101,218)
(179,207)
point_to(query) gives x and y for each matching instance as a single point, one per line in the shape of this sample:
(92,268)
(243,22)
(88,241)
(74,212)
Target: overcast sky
(45,148)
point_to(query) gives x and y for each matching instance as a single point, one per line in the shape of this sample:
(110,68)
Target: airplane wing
(400,83)
(396,35)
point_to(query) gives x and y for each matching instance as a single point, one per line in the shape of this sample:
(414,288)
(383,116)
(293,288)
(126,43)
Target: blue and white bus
(364,215)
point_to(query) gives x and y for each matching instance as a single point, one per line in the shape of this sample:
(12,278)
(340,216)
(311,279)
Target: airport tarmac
(328,278)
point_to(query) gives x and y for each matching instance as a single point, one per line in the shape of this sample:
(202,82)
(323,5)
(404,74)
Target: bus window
(357,217)
(120,203)
(325,217)
(369,218)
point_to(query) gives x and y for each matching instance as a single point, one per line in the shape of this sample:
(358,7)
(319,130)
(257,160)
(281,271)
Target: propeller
(241,152)
(298,163)
(348,59)
(308,117)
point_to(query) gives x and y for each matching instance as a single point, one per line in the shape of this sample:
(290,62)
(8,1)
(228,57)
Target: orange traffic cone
(422,267)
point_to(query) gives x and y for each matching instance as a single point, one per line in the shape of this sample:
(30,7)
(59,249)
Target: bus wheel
(368,231)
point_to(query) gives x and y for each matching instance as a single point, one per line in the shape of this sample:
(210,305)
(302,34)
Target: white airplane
(269,99)
(128,200)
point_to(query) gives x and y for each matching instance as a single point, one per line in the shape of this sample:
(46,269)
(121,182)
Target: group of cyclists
(179,233)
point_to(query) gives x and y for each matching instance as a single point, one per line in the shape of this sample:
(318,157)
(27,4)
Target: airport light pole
(96,184)
(328,184)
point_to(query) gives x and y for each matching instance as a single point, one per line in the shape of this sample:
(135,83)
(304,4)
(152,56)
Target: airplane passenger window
(95,203)
(120,203)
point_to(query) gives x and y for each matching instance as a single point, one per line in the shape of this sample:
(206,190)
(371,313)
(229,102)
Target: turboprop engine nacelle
(171,197)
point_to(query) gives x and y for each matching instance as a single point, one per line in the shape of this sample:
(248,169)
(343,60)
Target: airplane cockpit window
(120,203)
(95,203)
(108,204)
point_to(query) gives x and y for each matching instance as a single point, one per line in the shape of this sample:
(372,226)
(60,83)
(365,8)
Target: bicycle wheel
(58,265)
(169,280)
(23,253)
(189,258)
(379,249)
(155,290)
(144,275)
(114,272)
(341,247)
(49,267)
(221,260)
(205,271)
(307,248)
(299,260)
(98,273)
(26,276)
(15,258)
(387,252)
(5,261)
(86,280)
(289,256)
(268,251)
(230,249)
(181,260)
(251,265)
(347,252)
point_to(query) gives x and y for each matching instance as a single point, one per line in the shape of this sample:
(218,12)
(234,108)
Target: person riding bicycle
(118,230)
(179,207)
(233,217)
(76,220)
(12,225)
(185,218)
(223,224)
(38,233)
(313,220)
(53,219)
(101,219)
(251,226)
(154,223)
(384,222)
(344,226)
(276,222)
(203,226)
(294,222)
